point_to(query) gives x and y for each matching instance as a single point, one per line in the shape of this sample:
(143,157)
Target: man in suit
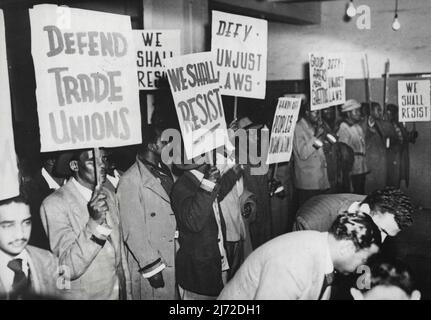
(299,265)
(389,207)
(26,272)
(149,222)
(84,231)
(201,263)
(41,185)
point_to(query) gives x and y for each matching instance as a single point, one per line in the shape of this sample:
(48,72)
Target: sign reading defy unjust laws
(153,47)
(196,91)
(327,80)
(283,128)
(414,100)
(240,45)
(85,66)
(9,184)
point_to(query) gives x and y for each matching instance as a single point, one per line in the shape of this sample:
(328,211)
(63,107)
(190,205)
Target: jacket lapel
(150,182)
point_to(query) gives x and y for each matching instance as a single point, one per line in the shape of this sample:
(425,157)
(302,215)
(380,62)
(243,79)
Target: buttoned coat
(149,230)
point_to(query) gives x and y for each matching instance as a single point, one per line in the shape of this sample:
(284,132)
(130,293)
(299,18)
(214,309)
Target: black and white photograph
(223,152)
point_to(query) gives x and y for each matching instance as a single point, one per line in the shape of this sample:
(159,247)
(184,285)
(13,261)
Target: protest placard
(85,66)
(196,91)
(283,128)
(240,45)
(327,80)
(9,184)
(153,47)
(414,100)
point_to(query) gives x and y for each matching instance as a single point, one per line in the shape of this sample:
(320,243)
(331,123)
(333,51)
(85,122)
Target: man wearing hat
(201,262)
(351,133)
(84,231)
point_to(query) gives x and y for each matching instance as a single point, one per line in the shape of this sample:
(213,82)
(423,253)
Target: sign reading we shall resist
(85,67)
(414,100)
(196,91)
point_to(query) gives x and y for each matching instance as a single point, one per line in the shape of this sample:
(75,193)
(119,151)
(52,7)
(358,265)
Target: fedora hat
(350,105)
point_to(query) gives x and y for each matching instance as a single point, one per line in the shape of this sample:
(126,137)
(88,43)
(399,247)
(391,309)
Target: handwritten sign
(240,45)
(9,184)
(414,100)
(283,128)
(327,80)
(85,66)
(196,91)
(153,47)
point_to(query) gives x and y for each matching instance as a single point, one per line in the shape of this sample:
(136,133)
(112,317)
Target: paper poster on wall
(153,47)
(9,183)
(327,80)
(283,128)
(240,46)
(196,91)
(414,100)
(85,67)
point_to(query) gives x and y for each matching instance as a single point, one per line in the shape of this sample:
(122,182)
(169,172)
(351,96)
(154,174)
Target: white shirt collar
(357,207)
(52,184)
(329,265)
(84,191)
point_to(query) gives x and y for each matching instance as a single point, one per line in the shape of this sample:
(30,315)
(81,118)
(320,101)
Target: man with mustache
(25,271)
(83,226)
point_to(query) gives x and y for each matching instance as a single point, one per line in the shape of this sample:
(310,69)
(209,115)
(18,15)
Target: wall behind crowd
(408,49)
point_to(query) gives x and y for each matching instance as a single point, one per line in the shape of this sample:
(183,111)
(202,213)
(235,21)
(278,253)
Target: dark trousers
(358,183)
(235,256)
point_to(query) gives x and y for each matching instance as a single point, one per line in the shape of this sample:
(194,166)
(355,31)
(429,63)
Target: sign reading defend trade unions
(327,80)
(240,45)
(414,100)
(153,47)
(196,91)
(283,128)
(85,66)
(9,184)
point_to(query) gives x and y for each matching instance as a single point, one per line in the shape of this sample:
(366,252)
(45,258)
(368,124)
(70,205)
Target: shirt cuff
(101,232)
(151,273)
(317,144)
(207,185)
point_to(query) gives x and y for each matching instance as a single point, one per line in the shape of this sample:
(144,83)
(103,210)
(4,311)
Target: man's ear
(73,164)
(356,294)
(416,295)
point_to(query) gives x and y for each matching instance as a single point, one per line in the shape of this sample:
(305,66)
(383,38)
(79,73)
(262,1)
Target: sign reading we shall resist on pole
(196,91)
(85,66)
(414,100)
(240,45)
(153,47)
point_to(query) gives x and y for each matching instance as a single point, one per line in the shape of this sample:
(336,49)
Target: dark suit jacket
(198,261)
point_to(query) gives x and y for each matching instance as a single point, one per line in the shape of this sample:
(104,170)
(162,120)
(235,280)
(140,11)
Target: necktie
(20,280)
(327,282)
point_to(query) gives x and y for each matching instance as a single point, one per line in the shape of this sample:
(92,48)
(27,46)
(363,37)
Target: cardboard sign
(327,80)
(85,66)
(414,100)
(283,128)
(153,47)
(240,45)
(196,91)
(9,184)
